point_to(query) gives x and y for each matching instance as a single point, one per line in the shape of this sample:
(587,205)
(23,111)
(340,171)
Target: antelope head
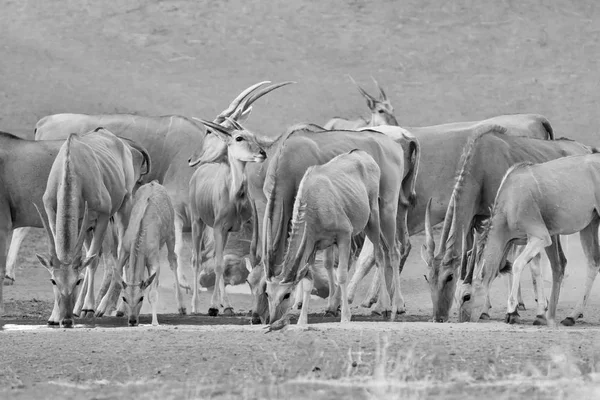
(382,112)
(214,147)
(442,267)
(258,286)
(133,297)
(279,295)
(241,144)
(65,275)
(279,289)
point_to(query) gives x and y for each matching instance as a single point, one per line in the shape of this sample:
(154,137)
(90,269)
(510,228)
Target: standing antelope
(93,172)
(302,149)
(150,228)
(169,141)
(218,198)
(441,148)
(485,160)
(382,112)
(335,201)
(535,204)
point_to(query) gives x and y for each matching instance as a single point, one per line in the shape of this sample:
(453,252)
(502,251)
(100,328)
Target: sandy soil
(438,63)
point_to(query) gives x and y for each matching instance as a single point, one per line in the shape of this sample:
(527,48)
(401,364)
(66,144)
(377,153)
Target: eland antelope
(441,147)
(484,161)
(382,112)
(150,228)
(26,165)
(335,201)
(535,204)
(304,148)
(168,140)
(218,198)
(93,172)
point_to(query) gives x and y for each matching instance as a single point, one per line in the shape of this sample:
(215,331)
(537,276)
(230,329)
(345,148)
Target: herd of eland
(302,210)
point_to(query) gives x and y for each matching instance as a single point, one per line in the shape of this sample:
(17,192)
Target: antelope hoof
(52,323)
(8,280)
(569,321)
(228,311)
(213,312)
(540,320)
(484,316)
(119,314)
(512,318)
(99,313)
(401,311)
(331,313)
(182,311)
(87,313)
(521,307)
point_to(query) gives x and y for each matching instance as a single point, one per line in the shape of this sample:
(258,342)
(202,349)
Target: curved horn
(236,125)
(449,240)
(51,244)
(381,92)
(463,255)
(269,250)
(429,242)
(247,102)
(255,227)
(361,90)
(82,232)
(236,102)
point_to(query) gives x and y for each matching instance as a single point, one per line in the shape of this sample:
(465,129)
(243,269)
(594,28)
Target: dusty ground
(439,63)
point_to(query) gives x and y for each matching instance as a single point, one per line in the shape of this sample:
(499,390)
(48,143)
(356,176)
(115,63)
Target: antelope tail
(408,194)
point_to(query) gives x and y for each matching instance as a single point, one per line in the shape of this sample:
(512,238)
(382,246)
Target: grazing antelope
(150,228)
(485,160)
(304,148)
(382,112)
(93,172)
(535,204)
(218,198)
(168,140)
(24,174)
(441,147)
(335,201)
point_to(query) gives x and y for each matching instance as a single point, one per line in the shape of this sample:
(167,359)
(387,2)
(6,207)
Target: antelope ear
(148,281)
(44,261)
(370,103)
(221,132)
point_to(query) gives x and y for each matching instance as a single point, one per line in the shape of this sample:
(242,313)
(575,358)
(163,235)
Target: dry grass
(386,373)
